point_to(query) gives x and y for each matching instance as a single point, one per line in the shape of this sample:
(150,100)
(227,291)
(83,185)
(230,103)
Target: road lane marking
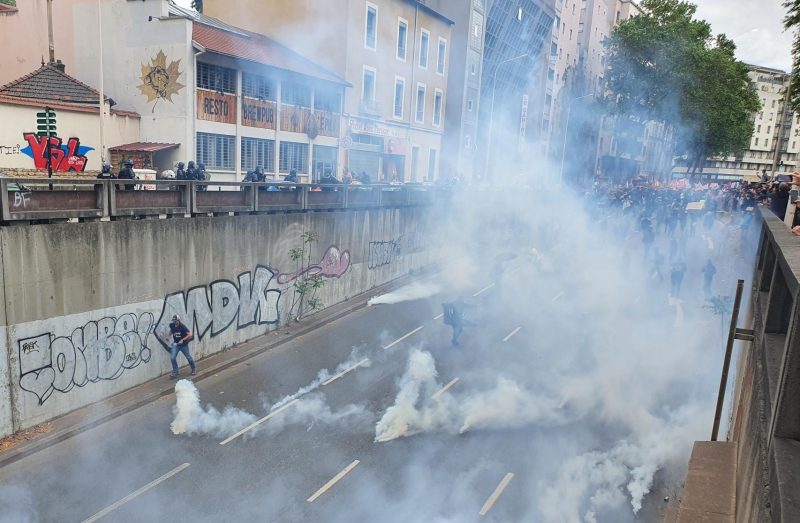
(444,389)
(395,342)
(135,494)
(324,488)
(438,317)
(511,334)
(345,371)
(483,290)
(259,422)
(557,296)
(496,494)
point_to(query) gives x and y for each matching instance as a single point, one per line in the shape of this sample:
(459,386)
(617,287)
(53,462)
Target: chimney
(58,64)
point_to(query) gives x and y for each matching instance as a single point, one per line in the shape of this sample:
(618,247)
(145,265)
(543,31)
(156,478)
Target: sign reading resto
(216,107)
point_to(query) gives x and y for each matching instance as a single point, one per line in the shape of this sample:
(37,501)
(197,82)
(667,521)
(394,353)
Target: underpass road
(116,472)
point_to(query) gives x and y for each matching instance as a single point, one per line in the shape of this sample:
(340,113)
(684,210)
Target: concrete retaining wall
(85,307)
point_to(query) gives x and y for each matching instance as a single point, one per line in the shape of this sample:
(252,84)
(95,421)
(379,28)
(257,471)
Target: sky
(755,26)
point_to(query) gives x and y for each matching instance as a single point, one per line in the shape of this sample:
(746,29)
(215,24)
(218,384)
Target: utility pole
(101,87)
(52,47)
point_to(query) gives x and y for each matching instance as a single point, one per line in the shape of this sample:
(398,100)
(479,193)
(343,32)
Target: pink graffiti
(60,161)
(334,263)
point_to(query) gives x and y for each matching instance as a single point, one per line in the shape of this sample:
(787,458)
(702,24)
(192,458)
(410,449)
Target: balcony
(370,108)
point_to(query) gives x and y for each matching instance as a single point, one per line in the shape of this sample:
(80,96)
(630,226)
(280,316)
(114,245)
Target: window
(437,108)
(766,142)
(424,41)
(296,94)
(294,156)
(473,68)
(467,142)
(469,104)
(216,78)
(769,128)
(402,39)
(420,115)
(256,86)
(324,160)
(371,27)
(441,56)
(399,96)
(432,165)
(773,104)
(216,151)
(570,34)
(257,152)
(328,100)
(759,128)
(368,85)
(756,141)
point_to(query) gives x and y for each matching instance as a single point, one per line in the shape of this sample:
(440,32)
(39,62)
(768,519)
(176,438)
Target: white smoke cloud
(191,418)
(414,291)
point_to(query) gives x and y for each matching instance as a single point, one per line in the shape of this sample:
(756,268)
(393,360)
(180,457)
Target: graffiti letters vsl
(69,157)
(100,350)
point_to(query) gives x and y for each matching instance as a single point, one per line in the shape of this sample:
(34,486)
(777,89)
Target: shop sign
(216,107)
(258,113)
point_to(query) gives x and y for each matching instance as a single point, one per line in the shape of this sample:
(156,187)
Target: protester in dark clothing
(127,174)
(106,173)
(364,178)
(453,314)
(676,277)
(180,171)
(202,176)
(181,336)
(779,200)
(709,270)
(191,171)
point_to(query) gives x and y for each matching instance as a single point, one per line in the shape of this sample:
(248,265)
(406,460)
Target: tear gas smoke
(191,418)
(313,409)
(414,291)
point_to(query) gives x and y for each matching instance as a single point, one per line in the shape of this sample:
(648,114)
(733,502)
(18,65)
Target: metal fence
(43,199)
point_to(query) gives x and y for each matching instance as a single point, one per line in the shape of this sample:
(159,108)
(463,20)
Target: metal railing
(42,199)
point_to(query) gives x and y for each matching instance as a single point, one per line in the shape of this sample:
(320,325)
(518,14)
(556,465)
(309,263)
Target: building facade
(394,53)
(775,144)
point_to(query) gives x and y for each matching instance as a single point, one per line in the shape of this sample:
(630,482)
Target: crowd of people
(678,226)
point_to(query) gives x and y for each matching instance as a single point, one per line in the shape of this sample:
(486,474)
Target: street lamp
(566,131)
(491,110)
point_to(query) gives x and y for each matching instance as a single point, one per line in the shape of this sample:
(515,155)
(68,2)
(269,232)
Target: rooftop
(49,83)
(218,37)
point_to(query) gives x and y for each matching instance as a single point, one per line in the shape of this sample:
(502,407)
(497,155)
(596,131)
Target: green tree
(306,286)
(792,21)
(12,3)
(664,65)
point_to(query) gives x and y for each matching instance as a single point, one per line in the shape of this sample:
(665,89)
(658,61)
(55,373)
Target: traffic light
(46,123)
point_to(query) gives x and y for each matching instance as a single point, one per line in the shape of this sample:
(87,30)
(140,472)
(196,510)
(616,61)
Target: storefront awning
(143,147)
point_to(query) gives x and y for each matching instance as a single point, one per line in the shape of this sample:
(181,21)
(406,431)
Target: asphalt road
(134,469)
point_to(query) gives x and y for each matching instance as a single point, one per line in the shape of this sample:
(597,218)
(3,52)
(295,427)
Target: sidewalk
(29,441)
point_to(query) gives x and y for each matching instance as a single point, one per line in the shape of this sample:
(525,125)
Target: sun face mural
(159,80)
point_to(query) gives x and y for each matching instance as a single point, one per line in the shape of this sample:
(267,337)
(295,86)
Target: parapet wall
(85,307)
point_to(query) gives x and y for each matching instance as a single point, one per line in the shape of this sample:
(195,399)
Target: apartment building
(775,143)
(395,54)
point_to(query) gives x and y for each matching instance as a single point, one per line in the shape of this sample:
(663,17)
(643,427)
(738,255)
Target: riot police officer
(127,174)
(180,171)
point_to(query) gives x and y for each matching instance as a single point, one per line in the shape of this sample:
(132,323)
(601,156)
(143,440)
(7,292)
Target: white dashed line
(333,481)
(557,296)
(438,317)
(483,290)
(135,494)
(511,334)
(496,494)
(444,389)
(395,342)
(259,422)
(354,367)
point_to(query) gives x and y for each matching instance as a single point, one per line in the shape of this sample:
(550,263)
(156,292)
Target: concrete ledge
(709,495)
(786,463)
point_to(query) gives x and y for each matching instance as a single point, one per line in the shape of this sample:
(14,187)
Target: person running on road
(454,316)
(181,336)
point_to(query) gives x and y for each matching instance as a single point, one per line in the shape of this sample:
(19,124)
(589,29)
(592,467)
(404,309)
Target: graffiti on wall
(104,349)
(334,264)
(382,253)
(216,307)
(99,350)
(159,80)
(69,157)
(10,149)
